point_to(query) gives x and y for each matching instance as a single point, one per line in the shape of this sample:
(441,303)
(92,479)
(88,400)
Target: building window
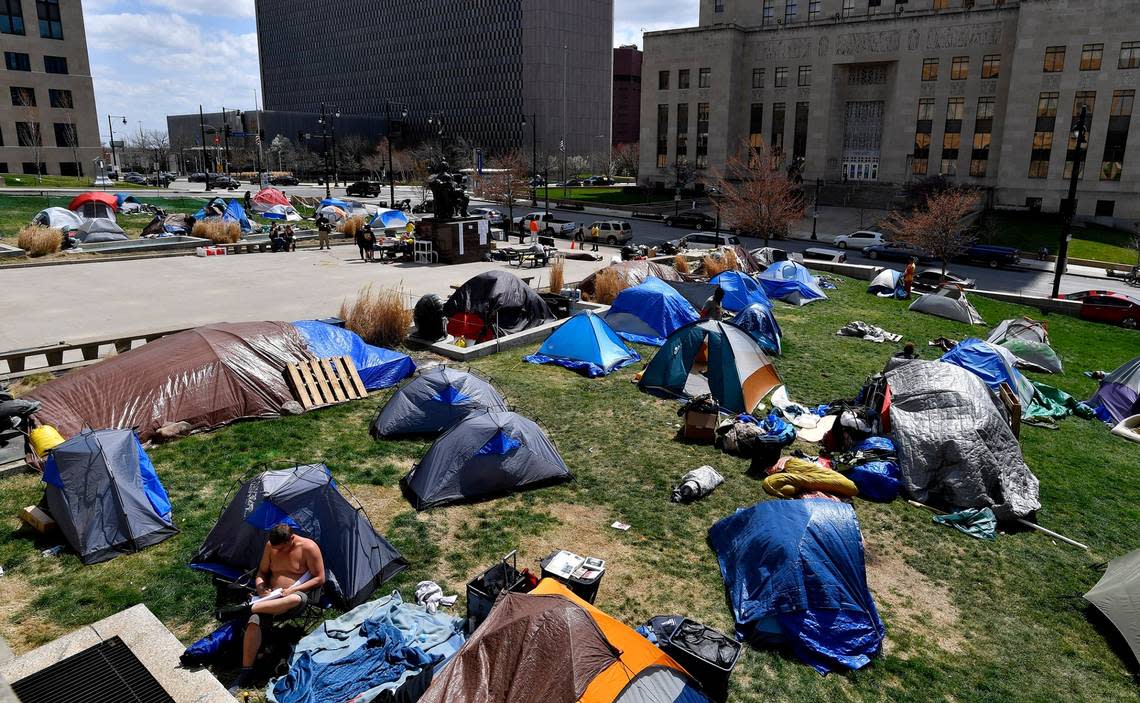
(930,69)
(683,79)
(662,136)
(50,25)
(662,80)
(70,168)
(800,135)
(955,108)
(1129,55)
(805,76)
(718,6)
(813,10)
(756,126)
(23,97)
(1105,208)
(983,134)
(55,64)
(985,108)
(757,78)
(1091,55)
(959,68)
(1043,135)
(61,99)
(781,76)
(1054,59)
(789,11)
(28,134)
(702,135)
(873,6)
(16,61)
(923,126)
(941,4)
(991,66)
(766,17)
(952,136)
(848,8)
(682,132)
(704,77)
(1116,139)
(1083,98)
(65,135)
(777,140)
(31,168)
(11,17)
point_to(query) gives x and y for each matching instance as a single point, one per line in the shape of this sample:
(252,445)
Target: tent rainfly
(791,283)
(1118,397)
(740,291)
(886,284)
(948,301)
(649,312)
(435,401)
(1117,595)
(1028,340)
(760,322)
(585,343)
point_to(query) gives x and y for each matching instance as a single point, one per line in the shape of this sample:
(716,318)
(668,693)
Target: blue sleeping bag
(876,480)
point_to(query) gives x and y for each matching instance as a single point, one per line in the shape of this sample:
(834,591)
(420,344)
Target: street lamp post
(226,138)
(326,121)
(391,172)
(202,127)
(110,125)
(1080,133)
(533,158)
(815,208)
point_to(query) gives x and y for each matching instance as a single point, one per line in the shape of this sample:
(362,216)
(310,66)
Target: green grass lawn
(966,620)
(23,180)
(1029,233)
(602,195)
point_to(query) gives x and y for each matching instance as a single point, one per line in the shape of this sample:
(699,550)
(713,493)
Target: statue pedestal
(458,241)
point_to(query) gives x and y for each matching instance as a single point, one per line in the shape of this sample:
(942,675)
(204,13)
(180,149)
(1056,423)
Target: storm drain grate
(109,672)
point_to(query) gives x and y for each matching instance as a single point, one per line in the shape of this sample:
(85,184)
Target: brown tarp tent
(208,376)
(633,273)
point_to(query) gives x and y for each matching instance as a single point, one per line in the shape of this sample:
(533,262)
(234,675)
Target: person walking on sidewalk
(595,233)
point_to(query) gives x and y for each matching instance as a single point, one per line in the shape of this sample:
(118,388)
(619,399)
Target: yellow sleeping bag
(800,476)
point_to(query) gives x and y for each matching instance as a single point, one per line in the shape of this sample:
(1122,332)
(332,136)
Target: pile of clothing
(759,440)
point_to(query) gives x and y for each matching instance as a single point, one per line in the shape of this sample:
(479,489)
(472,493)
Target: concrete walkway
(60,303)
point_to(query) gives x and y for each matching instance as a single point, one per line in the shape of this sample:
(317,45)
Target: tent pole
(1026,523)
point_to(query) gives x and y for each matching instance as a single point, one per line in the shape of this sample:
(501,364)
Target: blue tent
(585,343)
(378,367)
(795,573)
(124,198)
(887,284)
(740,291)
(791,283)
(992,364)
(234,212)
(390,219)
(760,323)
(650,312)
(337,202)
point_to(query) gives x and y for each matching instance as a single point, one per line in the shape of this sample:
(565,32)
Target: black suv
(285,180)
(691,218)
(365,189)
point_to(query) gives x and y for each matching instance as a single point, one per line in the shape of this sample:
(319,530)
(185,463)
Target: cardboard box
(700,426)
(37,519)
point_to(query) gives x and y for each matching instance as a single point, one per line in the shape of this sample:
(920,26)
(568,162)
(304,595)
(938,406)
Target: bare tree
(31,135)
(402,163)
(756,195)
(508,182)
(70,137)
(350,150)
(626,159)
(937,228)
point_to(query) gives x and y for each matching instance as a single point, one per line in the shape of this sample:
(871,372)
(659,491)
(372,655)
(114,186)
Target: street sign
(677,197)
(118,143)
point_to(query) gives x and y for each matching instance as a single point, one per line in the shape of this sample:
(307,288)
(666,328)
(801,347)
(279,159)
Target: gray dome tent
(1117,595)
(484,455)
(99,229)
(357,558)
(434,402)
(103,492)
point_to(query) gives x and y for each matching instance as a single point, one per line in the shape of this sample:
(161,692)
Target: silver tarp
(955,445)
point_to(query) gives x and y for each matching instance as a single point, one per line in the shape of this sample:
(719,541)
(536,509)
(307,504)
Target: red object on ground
(94,197)
(469,326)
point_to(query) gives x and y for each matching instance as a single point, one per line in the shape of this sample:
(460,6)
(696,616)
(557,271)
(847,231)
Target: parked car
(992,256)
(1108,307)
(161,180)
(488,213)
(424,207)
(548,224)
(365,189)
(224,182)
(691,218)
(135,179)
(599,181)
(611,231)
(896,251)
(825,254)
(537,181)
(700,240)
(859,239)
(931,279)
(574,182)
(197,178)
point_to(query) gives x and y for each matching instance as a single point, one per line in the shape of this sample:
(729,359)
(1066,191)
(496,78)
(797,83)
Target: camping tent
(483,455)
(649,312)
(549,646)
(127,204)
(886,284)
(740,291)
(378,367)
(632,273)
(791,283)
(434,402)
(267,198)
(333,214)
(992,364)
(281,212)
(499,299)
(231,212)
(170,225)
(307,498)
(1029,341)
(1119,394)
(954,443)
(1117,595)
(696,292)
(390,219)
(207,376)
(585,343)
(58,218)
(98,230)
(948,301)
(715,357)
(94,204)
(795,573)
(760,323)
(104,494)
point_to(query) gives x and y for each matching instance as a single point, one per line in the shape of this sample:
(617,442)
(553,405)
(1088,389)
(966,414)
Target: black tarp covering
(500,298)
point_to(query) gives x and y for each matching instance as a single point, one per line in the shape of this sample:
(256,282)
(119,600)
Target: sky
(152,58)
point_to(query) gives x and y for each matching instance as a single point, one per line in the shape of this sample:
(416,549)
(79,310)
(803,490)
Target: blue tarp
(124,198)
(992,364)
(876,480)
(740,291)
(378,367)
(337,202)
(650,312)
(234,213)
(791,283)
(760,323)
(795,573)
(585,343)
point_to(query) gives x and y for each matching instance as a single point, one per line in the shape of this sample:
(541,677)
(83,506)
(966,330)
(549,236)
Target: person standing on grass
(324,230)
(908,276)
(595,234)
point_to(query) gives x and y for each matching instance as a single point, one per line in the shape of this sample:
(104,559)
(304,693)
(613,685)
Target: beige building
(47,102)
(981,91)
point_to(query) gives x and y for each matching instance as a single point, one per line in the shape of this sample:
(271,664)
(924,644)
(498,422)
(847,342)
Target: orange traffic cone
(571,244)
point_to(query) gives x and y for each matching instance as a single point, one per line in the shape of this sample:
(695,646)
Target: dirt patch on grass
(916,605)
(381,503)
(24,630)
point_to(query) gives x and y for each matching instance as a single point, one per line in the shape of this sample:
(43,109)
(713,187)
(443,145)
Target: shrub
(713,267)
(681,263)
(217,231)
(38,240)
(557,275)
(352,225)
(379,316)
(607,284)
(730,259)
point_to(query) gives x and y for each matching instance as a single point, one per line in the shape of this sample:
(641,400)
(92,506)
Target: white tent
(58,218)
(948,301)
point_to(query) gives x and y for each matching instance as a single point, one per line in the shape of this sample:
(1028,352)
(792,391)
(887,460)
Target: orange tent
(82,199)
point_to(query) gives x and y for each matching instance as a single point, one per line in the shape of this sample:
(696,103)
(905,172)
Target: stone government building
(981,91)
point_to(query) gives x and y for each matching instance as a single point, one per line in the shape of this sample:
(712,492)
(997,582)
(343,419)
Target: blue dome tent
(378,367)
(390,219)
(232,212)
(992,364)
(650,312)
(585,343)
(791,283)
(760,323)
(434,402)
(887,284)
(740,291)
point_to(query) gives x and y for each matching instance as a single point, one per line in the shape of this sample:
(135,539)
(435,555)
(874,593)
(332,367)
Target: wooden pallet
(321,382)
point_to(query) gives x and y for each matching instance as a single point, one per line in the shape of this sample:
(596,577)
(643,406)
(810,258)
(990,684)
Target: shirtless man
(286,558)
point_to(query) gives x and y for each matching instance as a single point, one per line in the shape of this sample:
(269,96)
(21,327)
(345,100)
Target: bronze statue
(447,193)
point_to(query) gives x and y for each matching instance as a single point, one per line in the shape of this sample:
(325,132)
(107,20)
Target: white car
(859,239)
(487,213)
